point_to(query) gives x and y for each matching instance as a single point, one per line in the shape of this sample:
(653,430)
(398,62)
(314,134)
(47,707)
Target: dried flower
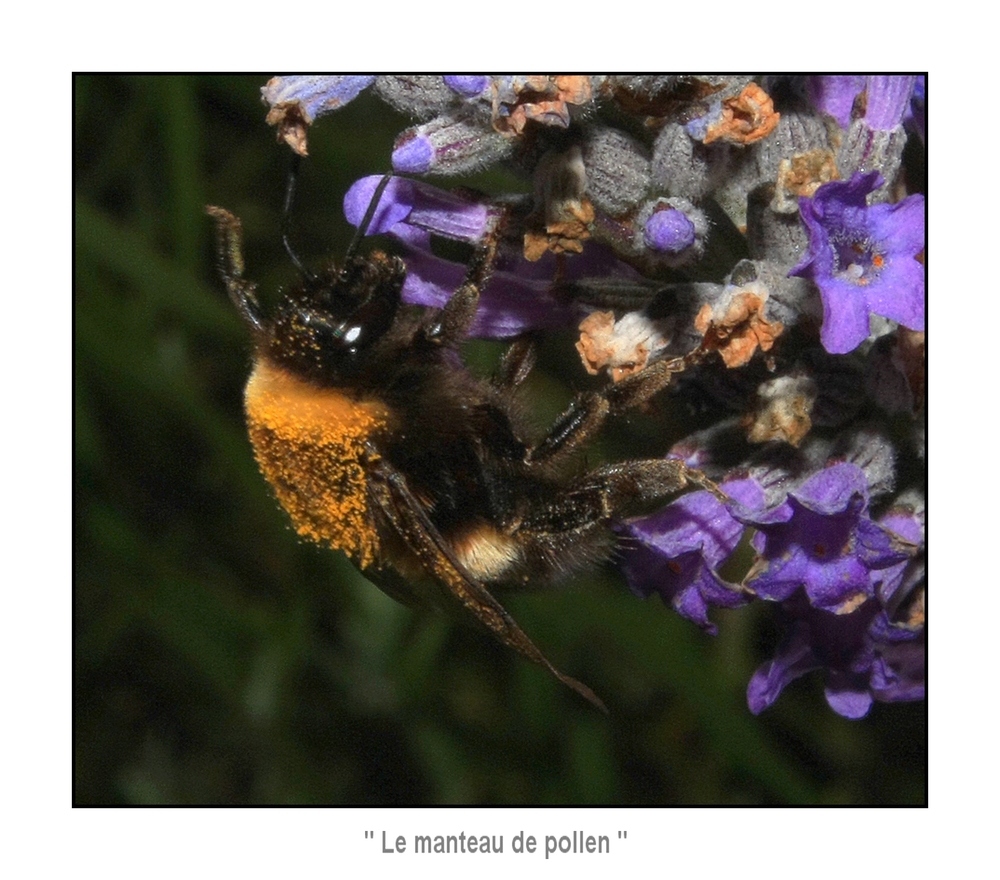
(297,100)
(745,119)
(546,100)
(782,411)
(735,325)
(622,347)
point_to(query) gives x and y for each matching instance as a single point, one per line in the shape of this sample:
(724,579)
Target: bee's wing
(397,503)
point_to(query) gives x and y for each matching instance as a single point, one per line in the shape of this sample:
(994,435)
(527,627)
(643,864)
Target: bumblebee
(378,442)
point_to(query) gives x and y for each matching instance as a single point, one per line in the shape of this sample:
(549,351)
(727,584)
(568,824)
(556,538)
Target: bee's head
(323,328)
(325,325)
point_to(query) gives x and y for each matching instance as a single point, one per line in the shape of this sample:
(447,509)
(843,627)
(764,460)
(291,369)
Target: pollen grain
(311,445)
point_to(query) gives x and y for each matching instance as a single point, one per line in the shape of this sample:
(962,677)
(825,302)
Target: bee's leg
(587,413)
(452,323)
(229,241)
(613,491)
(392,495)
(515,365)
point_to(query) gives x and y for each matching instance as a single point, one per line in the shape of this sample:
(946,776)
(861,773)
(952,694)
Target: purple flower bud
(467,86)
(669,230)
(414,156)
(450,144)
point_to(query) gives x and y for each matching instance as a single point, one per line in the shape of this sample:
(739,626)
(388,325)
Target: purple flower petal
(418,205)
(508,305)
(675,552)
(821,539)
(794,660)
(848,702)
(888,99)
(863,260)
(834,95)
(838,488)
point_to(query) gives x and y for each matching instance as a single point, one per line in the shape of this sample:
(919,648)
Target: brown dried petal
(292,125)
(621,347)
(540,98)
(740,330)
(783,411)
(565,235)
(747,118)
(801,176)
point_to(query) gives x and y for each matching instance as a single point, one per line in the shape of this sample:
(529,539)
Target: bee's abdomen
(311,445)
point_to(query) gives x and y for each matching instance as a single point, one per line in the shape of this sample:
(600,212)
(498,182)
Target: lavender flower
(821,539)
(863,259)
(820,640)
(838,576)
(863,656)
(412,212)
(677,552)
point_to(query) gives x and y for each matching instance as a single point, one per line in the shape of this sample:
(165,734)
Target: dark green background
(219,660)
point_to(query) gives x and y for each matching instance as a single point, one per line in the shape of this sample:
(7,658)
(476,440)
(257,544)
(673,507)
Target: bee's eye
(323,328)
(323,344)
(369,321)
(328,335)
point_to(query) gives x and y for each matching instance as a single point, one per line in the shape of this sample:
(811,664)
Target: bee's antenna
(369,214)
(286,219)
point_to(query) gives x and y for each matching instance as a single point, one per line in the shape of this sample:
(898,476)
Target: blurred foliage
(219,660)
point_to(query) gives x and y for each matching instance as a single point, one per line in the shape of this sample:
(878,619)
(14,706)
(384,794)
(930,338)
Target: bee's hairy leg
(393,497)
(229,244)
(586,415)
(613,491)
(515,364)
(452,323)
